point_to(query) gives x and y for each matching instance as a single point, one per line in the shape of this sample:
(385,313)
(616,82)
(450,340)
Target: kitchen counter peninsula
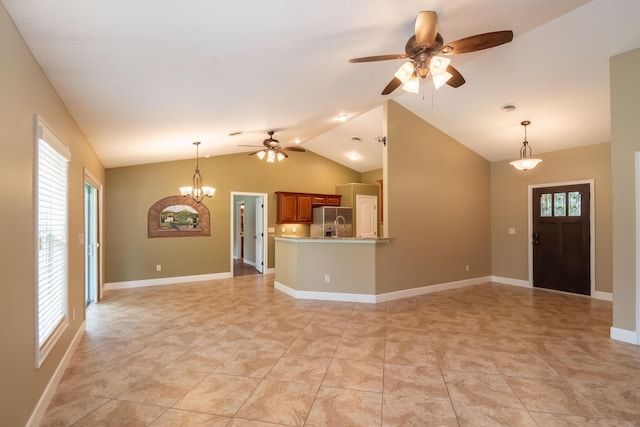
(327,268)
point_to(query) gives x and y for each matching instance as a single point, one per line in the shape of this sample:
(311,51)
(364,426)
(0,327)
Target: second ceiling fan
(272,150)
(424,50)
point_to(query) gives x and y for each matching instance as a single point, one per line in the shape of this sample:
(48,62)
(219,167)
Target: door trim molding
(592,227)
(97,184)
(637,247)
(265,229)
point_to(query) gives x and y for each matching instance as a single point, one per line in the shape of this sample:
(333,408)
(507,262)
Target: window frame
(60,316)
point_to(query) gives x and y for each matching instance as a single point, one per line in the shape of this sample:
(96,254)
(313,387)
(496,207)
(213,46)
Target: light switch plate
(512,230)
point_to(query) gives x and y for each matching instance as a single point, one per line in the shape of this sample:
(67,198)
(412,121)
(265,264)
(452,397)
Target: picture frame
(178,216)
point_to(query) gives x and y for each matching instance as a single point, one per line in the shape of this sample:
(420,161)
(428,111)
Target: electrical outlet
(283,229)
(293,229)
(327,278)
(73,314)
(467,267)
(158,267)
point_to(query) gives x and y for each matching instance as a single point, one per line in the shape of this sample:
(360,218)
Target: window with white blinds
(52,166)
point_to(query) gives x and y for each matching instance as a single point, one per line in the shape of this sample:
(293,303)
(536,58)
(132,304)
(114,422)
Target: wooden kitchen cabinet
(333,200)
(319,200)
(297,208)
(287,207)
(305,208)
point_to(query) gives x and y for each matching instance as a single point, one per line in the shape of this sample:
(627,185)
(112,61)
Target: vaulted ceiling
(144,79)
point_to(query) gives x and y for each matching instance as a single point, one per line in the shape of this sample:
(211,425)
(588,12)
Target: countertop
(333,239)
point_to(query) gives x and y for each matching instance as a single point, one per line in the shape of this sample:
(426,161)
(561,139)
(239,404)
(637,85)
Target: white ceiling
(144,79)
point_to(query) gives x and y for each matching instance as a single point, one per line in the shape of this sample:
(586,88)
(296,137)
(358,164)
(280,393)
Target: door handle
(536,238)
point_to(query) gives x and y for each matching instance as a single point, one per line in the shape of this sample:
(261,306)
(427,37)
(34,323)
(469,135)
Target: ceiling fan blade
(298,149)
(254,152)
(378,58)
(245,145)
(426,28)
(456,79)
(478,42)
(393,85)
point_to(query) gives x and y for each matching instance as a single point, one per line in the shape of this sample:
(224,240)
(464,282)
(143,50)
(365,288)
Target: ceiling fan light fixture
(261,154)
(440,79)
(271,156)
(439,64)
(412,85)
(405,72)
(280,155)
(525,162)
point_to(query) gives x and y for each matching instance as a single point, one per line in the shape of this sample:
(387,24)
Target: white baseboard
(605,296)
(630,337)
(512,282)
(324,296)
(369,298)
(45,399)
(270,270)
(166,281)
(407,293)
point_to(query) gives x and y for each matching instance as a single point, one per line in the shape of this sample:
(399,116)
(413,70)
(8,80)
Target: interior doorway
(561,230)
(92,238)
(248,240)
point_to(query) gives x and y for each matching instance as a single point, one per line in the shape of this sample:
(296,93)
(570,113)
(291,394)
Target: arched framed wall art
(178,216)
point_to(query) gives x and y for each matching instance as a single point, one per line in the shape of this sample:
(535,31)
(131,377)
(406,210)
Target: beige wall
(438,207)
(625,143)
(372,177)
(509,204)
(130,255)
(350,265)
(26,91)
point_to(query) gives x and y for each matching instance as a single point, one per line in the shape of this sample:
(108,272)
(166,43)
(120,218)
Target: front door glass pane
(575,203)
(545,205)
(559,204)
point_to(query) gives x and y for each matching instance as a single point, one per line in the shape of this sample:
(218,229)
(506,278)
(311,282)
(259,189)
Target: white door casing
(259,240)
(260,221)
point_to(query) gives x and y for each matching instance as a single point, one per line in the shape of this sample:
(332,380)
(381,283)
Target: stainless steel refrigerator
(331,221)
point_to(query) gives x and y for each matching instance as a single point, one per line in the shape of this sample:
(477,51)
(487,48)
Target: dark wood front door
(561,238)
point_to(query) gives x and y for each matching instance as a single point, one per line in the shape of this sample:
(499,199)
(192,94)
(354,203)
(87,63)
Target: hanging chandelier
(197,191)
(525,162)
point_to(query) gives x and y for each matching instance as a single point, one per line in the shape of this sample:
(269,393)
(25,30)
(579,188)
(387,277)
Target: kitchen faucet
(336,223)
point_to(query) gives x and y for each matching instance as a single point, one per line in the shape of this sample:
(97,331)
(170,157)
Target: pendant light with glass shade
(197,191)
(525,162)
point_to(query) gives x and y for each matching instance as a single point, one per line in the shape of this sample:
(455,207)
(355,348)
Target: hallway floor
(236,352)
(240,268)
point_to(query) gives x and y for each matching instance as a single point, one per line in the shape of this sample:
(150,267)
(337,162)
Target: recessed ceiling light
(236,133)
(507,108)
(343,117)
(356,139)
(354,156)
(297,140)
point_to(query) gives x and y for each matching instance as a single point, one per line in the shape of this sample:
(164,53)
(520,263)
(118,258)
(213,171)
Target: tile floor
(236,352)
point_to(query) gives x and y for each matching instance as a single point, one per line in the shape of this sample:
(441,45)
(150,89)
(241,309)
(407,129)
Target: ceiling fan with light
(424,50)
(272,150)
